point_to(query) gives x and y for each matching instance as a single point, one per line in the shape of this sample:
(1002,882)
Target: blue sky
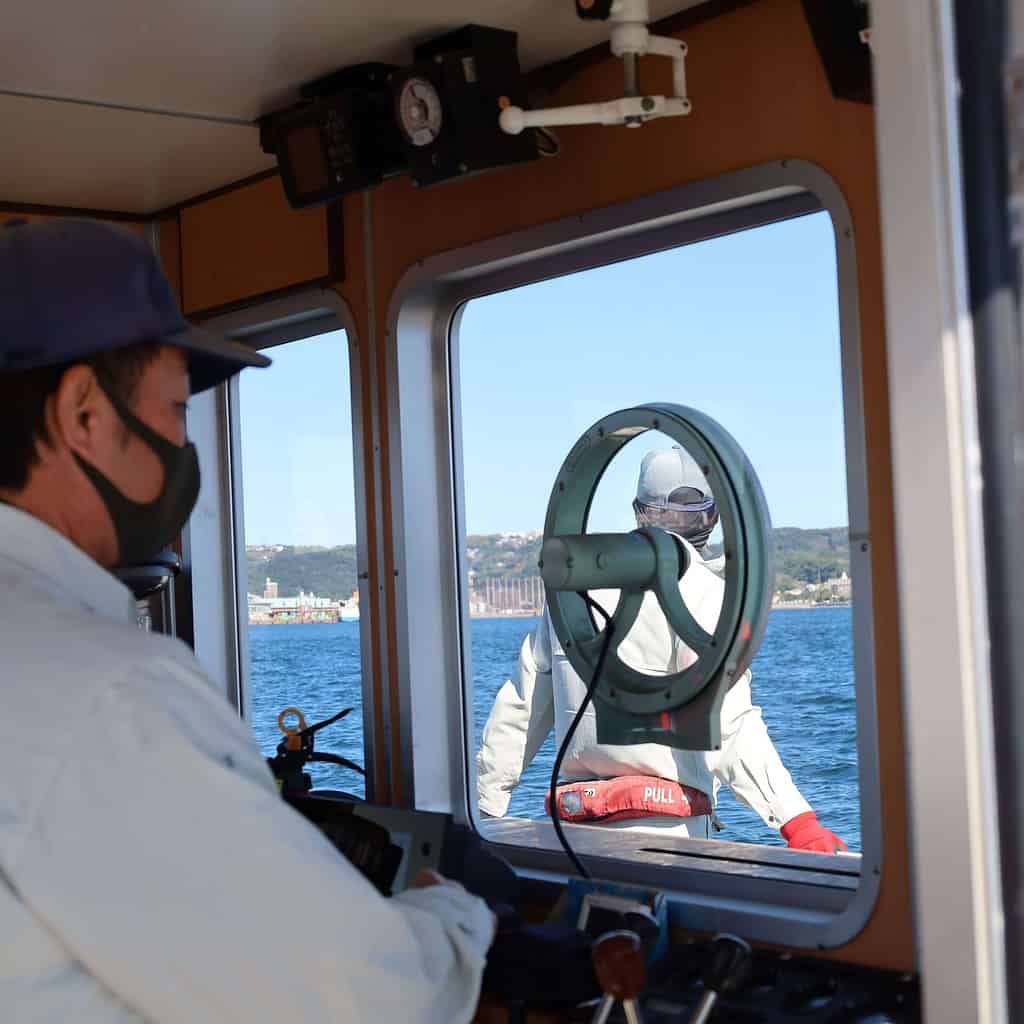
(744,328)
(296,436)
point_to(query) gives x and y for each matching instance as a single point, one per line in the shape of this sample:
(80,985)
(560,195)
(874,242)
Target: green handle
(598,561)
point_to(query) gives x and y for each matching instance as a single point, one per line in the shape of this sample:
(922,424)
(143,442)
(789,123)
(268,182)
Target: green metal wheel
(681,709)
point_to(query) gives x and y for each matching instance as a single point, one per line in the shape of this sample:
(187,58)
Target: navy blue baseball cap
(70,289)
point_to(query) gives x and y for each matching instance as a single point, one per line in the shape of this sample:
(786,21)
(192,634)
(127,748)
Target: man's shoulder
(72,651)
(81,683)
(60,633)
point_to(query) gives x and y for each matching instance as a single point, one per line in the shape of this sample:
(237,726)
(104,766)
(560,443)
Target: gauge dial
(419,111)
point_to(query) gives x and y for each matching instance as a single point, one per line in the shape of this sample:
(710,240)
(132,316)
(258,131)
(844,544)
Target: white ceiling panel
(239,58)
(61,155)
(226,60)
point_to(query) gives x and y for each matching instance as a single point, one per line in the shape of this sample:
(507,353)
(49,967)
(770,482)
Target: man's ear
(76,412)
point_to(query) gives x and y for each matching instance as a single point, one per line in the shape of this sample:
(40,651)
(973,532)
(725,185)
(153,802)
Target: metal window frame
(429,532)
(266,325)
(207,609)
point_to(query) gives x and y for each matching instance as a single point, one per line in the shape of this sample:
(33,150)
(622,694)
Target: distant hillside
(504,555)
(801,557)
(326,572)
(807,556)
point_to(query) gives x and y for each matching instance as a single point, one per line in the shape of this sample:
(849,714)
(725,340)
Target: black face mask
(143,530)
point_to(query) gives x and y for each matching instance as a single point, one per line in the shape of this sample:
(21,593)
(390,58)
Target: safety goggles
(686,511)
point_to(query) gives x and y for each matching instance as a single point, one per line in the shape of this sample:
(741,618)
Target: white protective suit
(547,692)
(148,868)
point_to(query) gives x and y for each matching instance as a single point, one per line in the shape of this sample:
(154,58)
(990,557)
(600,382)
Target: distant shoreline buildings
(838,590)
(273,610)
(505,597)
(511,597)
(503,581)
(495,597)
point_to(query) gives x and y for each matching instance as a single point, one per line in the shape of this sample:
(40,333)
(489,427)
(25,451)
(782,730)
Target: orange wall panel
(170,251)
(248,243)
(353,288)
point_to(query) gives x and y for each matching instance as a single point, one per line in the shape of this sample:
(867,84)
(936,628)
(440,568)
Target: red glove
(805,832)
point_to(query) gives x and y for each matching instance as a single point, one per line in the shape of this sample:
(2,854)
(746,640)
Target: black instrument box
(475,71)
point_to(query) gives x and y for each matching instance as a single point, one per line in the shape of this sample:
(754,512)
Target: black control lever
(621,970)
(298,748)
(310,730)
(726,973)
(323,755)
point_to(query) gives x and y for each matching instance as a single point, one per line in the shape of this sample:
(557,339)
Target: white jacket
(152,871)
(547,692)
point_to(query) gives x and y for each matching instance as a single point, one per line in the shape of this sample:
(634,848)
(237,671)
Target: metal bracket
(630,40)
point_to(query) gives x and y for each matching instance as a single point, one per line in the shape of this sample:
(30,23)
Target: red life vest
(629,796)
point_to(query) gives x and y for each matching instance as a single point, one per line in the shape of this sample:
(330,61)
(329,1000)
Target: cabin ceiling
(134,106)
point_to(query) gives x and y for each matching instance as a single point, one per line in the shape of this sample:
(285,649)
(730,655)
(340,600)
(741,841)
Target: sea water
(802,679)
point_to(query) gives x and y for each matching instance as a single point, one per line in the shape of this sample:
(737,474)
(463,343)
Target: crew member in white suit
(546,693)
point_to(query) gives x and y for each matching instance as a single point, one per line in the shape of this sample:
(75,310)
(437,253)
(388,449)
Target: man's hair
(23,398)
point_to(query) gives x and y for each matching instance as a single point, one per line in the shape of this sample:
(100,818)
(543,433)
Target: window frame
(432,616)
(264,326)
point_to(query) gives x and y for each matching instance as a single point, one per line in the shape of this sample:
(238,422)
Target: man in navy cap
(148,868)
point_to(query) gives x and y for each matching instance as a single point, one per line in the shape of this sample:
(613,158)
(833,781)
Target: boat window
(297,490)
(745,328)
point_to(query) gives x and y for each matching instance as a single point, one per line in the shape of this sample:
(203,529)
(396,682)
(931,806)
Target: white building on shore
(271,609)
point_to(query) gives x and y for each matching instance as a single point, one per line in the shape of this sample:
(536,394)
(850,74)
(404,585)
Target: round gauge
(419,111)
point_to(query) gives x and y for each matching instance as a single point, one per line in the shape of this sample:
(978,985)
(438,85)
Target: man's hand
(805,832)
(426,877)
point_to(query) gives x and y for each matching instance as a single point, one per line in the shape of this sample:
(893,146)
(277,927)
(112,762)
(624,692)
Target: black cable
(556,769)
